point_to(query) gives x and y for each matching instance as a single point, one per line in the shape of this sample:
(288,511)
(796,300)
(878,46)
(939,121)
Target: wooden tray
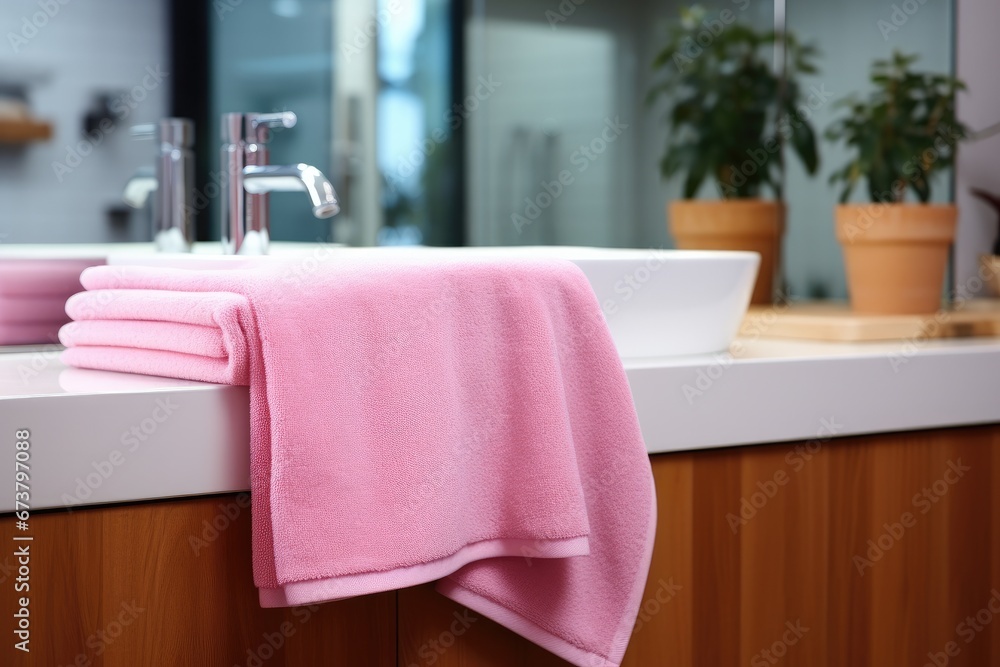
(834,321)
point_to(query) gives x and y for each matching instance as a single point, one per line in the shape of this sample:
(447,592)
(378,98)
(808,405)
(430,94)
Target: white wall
(977,55)
(88,46)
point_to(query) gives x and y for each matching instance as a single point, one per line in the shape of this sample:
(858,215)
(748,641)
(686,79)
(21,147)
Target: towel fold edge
(521,625)
(517,623)
(327,589)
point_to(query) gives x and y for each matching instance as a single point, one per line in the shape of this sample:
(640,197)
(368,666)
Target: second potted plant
(730,114)
(895,251)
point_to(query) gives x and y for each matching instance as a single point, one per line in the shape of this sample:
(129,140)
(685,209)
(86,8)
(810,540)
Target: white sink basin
(657,302)
(672,302)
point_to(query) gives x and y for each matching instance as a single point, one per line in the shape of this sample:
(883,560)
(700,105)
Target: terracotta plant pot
(895,255)
(734,224)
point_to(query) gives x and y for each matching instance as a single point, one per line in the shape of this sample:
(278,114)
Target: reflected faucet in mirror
(249,177)
(140,187)
(172,179)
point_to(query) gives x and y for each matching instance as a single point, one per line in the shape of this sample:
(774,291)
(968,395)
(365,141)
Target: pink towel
(414,421)
(42,277)
(31,320)
(29,334)
(34,309)
(33,295)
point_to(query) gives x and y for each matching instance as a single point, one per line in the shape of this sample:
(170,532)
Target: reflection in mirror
(71,85)
(565,151)
(850,35)
(288,70)
(73,79)
(451,122)
(371,83)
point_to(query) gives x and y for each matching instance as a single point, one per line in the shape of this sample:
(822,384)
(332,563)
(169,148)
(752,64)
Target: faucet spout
(262,179)
(250,176)
(138,188)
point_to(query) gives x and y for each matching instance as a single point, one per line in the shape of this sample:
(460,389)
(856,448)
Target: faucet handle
(277,119)
(143,131)
(177,132)
(259,124)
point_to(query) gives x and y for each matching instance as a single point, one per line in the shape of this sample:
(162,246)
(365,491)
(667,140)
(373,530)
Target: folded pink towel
(34,309)
(31,320)
(33,295)
(42,277)
(29,334)
(414,421)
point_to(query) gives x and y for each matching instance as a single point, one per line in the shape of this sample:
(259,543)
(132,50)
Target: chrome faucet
(172,179)
(248,177)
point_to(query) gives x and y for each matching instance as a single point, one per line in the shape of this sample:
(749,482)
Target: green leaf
(696,175)
(804,144)
(723,105)
(892,132)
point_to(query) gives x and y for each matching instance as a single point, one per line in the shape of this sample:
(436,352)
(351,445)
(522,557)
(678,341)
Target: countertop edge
(191,439)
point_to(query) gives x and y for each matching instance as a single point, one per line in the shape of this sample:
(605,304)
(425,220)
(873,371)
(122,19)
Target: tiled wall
(87,46)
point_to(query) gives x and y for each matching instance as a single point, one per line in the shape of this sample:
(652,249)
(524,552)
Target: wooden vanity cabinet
(863,551)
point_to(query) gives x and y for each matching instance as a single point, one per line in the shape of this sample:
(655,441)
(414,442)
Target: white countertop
(100,437)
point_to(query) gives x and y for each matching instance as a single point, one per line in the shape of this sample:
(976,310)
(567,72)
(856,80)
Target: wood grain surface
(865,551)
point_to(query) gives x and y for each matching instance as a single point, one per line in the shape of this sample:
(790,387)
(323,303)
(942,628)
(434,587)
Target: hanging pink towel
(467,422)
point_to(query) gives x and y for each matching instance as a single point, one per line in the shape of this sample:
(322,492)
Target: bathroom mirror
(850,35)
(446,121)
(74,77)
(373,84)
(442,122)
(451,122)
(566,69)
(573,79)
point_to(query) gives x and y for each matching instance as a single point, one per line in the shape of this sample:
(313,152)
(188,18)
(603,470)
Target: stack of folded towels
(465,422)
(33,295)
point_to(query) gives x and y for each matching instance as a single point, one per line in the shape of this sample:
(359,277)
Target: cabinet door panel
(170,583)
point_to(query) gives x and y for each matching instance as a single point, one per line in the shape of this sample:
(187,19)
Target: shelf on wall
(22,131)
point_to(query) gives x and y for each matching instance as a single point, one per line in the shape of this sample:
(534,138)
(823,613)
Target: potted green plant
(902,134)
(730,114)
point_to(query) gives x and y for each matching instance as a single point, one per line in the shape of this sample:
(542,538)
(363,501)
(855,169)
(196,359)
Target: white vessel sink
(657,302)
(671,302)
